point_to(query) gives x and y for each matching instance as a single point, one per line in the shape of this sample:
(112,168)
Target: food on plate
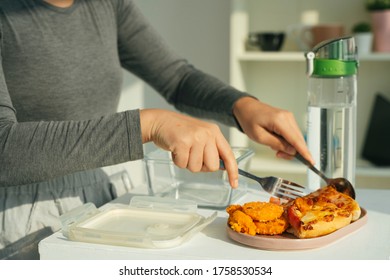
(262,211)
(241,222)
(231,208)
(257,218)
(316,214)
(273,227)
(321,212)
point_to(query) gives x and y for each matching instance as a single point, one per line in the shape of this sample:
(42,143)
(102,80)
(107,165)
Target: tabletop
(371,241)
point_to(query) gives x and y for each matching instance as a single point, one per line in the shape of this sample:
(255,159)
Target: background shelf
(279,78)
(299,56)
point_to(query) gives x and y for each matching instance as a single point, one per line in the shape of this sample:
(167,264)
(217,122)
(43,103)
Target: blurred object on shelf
(380,19)
(323,32)
(299,33)
(363,35)
(310,17)
(381,29)
(266,41)
(308,36)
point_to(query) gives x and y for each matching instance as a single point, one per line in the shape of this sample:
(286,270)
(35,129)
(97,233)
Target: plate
(287,241)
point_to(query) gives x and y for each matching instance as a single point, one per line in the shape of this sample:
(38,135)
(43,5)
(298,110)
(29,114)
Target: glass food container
(208,190)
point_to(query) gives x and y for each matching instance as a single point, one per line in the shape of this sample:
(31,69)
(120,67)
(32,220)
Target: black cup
(267,41)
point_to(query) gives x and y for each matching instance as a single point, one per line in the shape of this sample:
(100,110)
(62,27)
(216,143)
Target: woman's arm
(143,52)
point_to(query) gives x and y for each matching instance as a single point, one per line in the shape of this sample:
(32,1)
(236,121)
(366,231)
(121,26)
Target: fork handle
(246,174)
(240,171)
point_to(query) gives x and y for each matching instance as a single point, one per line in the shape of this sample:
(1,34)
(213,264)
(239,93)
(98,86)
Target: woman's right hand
(195,144)
(271,126)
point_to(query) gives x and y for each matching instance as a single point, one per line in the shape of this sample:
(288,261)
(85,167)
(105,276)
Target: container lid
(149,222)
(335,57)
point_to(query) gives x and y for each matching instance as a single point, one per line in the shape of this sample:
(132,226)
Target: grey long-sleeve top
(60,81)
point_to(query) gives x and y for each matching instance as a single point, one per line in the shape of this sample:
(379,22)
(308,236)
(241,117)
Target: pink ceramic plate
(287,241)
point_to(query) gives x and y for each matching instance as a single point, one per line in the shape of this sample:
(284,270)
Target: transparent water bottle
(332,90)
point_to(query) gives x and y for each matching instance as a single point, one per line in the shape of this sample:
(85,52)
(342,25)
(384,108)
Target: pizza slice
(321,212)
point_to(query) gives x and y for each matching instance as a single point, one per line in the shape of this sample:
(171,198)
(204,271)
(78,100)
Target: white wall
(199,31)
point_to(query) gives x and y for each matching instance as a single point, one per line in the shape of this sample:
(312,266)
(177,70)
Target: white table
(372,241)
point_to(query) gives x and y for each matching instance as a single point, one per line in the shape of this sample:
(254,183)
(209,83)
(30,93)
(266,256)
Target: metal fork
(275,186)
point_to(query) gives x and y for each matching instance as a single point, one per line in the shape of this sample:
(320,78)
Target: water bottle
(331,121)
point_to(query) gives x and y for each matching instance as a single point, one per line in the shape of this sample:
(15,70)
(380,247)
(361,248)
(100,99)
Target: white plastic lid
(149,222)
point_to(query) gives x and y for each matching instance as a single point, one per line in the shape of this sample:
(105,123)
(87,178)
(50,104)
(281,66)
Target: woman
(60,81)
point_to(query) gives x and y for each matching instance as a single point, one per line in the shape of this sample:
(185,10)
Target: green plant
(377,5)
(361,27)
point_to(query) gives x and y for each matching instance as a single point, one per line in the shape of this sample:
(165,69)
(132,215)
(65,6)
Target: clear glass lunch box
(208,190)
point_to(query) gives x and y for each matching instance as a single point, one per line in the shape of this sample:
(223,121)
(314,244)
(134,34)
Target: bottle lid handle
(310,63)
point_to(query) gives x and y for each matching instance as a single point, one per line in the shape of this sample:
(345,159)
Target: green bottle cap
(332,67)
(333,58)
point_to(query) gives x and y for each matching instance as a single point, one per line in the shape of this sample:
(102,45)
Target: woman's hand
(271,126)
(194,144)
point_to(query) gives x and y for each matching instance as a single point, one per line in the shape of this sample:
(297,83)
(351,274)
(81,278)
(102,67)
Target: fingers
(280,154)
(205,157)
(194,144)
(196,151)
(271,126)
(180,156)
(287,143)
(293,140)
(227,155)
(210,158)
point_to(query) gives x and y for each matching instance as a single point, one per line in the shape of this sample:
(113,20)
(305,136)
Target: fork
(275,186)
